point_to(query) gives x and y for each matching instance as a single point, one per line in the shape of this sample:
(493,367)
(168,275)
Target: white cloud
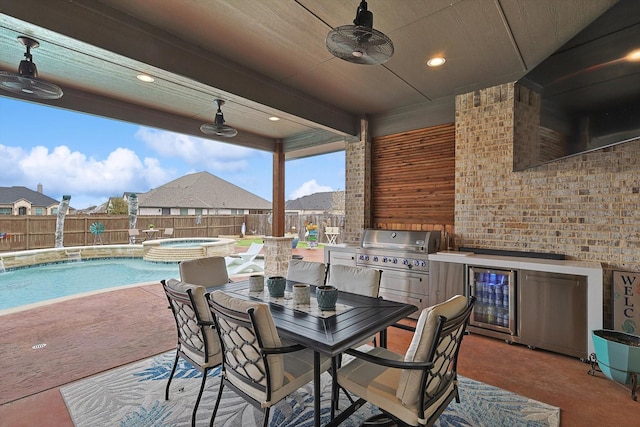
(307,188)
(89,181)
(214,155)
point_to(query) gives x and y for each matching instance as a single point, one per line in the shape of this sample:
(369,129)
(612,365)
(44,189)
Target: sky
(92,158)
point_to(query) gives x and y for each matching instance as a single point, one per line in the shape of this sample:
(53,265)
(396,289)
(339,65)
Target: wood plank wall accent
(413,180)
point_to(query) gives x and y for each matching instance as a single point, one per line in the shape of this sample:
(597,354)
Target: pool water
(40,283)
(185,243)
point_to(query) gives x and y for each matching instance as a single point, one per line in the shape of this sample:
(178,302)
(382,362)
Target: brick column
(277,253)
(357,204)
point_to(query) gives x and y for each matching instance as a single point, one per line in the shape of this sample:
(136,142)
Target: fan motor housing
(27,69)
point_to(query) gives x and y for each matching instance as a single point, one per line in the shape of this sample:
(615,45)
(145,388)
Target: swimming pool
(29,285)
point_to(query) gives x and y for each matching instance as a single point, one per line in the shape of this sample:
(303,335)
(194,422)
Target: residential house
(317,203)
(201,193)
(18,200)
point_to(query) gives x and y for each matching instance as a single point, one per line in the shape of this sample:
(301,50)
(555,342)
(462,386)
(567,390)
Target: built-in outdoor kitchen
(539,300)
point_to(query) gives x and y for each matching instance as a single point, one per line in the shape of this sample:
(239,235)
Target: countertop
(581,268)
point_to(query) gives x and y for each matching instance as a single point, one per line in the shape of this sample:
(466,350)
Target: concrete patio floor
(88,335)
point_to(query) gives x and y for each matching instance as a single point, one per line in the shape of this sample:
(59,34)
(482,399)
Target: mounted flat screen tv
(584,97)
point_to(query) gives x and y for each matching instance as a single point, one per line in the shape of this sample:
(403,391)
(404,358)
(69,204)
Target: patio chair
(245,267)
(134,236)
(251,253)
(332,234)
(207,272)
(309,272)
(198,342)
(414,389)
(257,365)
(357,280)
(168,232)
(244,257)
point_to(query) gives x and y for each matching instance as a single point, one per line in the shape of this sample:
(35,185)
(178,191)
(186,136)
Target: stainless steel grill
(403,258)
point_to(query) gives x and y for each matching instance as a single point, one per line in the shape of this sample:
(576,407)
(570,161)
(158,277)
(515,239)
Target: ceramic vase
(276,285)
(256,283)
(326,297)
(301,294)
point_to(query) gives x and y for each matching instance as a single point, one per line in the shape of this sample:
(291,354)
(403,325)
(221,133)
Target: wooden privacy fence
(38,232)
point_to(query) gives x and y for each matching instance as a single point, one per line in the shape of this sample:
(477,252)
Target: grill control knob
(385,259)
(405,262)
(423,264)
(416,263)
(375,259)
(395,260)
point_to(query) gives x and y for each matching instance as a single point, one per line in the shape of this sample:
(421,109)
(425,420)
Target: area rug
(133,395)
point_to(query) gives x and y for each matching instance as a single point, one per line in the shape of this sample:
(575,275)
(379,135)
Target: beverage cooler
(495,308)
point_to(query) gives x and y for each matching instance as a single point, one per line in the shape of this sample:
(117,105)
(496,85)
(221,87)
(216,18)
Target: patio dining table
(356,318)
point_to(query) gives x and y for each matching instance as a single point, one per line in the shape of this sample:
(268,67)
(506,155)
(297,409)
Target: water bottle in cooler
(498,287)
(492,294)
(479,287)
(505,291)
(491,315)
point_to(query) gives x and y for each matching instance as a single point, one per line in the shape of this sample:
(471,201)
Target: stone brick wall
(357,204)
(586,207)
(277,253)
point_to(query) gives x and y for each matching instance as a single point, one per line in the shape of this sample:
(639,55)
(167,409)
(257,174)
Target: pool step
(168,254)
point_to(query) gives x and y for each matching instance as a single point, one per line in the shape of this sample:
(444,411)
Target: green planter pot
(326,297)
(276,285)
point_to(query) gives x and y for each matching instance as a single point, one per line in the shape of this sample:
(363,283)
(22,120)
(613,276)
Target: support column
(358,185)
(277,253)
(277,206)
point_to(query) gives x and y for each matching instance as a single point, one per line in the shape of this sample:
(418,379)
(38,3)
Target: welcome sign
(626,302)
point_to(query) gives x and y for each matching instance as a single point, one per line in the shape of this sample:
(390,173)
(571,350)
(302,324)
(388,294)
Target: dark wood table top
(329,335)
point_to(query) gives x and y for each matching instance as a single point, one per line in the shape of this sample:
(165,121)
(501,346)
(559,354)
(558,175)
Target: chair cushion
(418,351)
(306,272)
(378,385)
(202,308)
(357,280)
(210,271)
(267,330)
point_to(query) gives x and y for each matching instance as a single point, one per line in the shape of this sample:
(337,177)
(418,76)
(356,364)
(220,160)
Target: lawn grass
(247,241)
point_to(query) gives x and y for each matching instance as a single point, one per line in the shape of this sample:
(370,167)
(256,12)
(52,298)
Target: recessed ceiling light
(634,55)
(436,61)
(274,118)
(145,78)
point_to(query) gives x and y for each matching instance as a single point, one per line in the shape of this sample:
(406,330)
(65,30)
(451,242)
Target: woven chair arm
(399,364)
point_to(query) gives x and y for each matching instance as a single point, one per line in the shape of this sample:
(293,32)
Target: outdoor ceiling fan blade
(218,127)
(359,45)
(29,86)
(26,82)
(213,129)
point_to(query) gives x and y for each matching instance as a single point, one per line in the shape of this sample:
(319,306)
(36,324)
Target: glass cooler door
(495,299)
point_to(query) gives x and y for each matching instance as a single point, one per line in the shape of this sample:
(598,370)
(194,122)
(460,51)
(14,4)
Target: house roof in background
(201,190)
(10,195)
(313,202)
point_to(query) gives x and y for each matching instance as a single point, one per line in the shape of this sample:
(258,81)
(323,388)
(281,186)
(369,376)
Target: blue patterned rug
(133,395)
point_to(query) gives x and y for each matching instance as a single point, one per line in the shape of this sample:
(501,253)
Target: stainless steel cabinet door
(553,312)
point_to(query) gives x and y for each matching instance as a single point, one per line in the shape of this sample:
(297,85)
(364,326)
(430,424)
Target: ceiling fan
(360,43)
(218,127)
(26,81)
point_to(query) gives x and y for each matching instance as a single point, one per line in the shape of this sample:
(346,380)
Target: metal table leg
(316,388)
